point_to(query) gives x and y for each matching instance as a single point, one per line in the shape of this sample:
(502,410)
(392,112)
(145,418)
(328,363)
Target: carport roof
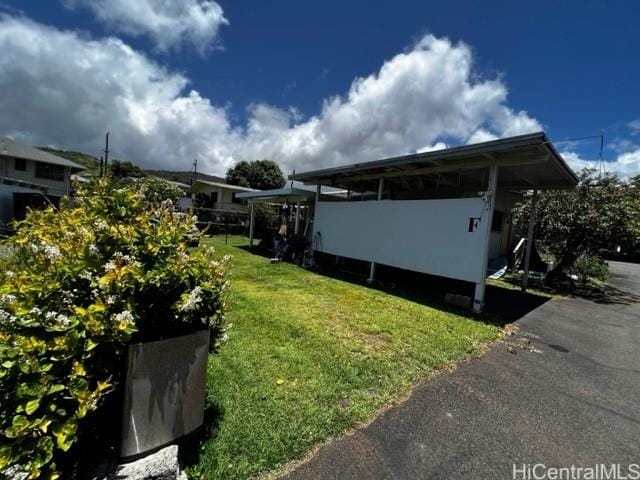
(525,161)
(278,194)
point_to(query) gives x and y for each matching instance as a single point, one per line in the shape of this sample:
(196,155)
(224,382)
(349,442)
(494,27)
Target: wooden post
(527,253)
(372,267)
(252,224)
(478,299)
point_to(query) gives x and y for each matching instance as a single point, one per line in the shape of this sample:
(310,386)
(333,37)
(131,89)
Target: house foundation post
(527,253)
(252,221)
(372,267)
(478,298)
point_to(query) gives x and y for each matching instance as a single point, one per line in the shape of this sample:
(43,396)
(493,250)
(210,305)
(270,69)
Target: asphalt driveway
(563,390)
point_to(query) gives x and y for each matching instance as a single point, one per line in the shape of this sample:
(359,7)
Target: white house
(31,177)
(443,213)
(218,196)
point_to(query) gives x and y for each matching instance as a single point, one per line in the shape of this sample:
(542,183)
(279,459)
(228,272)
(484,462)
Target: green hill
(92,165)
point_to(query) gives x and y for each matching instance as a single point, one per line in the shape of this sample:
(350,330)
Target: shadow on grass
(190,446)
(502,305)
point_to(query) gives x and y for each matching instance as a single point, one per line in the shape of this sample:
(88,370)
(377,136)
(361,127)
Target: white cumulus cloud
(169,23)
(426,97)
(625,165)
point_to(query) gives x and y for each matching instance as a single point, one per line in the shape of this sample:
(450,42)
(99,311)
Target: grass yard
(311,356)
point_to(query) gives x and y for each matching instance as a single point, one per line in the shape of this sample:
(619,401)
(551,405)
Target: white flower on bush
(123,319)
(86,275)
(50,251)
(93,250)
(59,319)
(9,274)
(6,316)
(110,299)
(101,225)
(8,299)
(67,297)
(182,257)
(192,300)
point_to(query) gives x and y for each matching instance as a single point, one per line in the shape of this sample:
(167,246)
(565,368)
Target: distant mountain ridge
(92,165)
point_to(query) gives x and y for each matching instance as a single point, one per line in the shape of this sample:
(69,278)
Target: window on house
(498,219)
(20,164)
(235,200)
(49,171)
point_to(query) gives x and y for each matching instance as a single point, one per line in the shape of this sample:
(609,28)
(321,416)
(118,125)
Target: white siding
(429,236)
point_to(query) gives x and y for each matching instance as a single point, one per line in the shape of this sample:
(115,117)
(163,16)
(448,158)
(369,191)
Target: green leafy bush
(79,284)
(590,267)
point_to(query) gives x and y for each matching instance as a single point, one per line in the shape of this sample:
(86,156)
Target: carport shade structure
(439,204)
(278,195)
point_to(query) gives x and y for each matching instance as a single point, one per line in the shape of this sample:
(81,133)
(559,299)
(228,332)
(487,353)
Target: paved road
(564,390)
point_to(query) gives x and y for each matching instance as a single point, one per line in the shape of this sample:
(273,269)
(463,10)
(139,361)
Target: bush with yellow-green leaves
(109,268)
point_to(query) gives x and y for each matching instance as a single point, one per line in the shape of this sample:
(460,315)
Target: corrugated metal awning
(525,161)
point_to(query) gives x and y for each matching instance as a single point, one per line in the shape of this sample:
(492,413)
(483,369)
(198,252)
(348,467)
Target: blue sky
(264,73)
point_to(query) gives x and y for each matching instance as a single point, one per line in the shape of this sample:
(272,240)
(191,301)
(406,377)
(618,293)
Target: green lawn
(311,356)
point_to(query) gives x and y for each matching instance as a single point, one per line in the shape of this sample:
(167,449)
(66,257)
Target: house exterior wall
(224,200)
(429,236)
(7,169)
(56,188)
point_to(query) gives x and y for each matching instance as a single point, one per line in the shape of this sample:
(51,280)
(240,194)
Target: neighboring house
(218,196)
(444,212)
(30,178)
(186,202)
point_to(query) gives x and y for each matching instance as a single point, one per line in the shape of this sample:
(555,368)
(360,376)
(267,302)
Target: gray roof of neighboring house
(11,148)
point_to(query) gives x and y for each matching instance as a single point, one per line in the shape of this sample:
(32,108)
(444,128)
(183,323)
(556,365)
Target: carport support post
(527,253)
(252,221)
(478,298)
(372,267)
(297,226)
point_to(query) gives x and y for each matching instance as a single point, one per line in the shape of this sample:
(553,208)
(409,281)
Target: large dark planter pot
(164,393)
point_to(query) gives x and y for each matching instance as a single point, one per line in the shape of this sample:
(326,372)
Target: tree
(259,174)
(602,212)
(122,169)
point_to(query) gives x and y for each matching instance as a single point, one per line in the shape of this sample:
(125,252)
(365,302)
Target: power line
(600,164)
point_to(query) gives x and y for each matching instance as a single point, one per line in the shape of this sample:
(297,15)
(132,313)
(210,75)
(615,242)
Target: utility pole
(101,166)
(194,177)
(106,152)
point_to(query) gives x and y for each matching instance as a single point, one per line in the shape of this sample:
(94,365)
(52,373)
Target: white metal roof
(525,161)
(11,148)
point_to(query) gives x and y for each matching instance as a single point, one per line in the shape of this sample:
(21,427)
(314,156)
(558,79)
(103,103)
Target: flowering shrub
(79,284)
